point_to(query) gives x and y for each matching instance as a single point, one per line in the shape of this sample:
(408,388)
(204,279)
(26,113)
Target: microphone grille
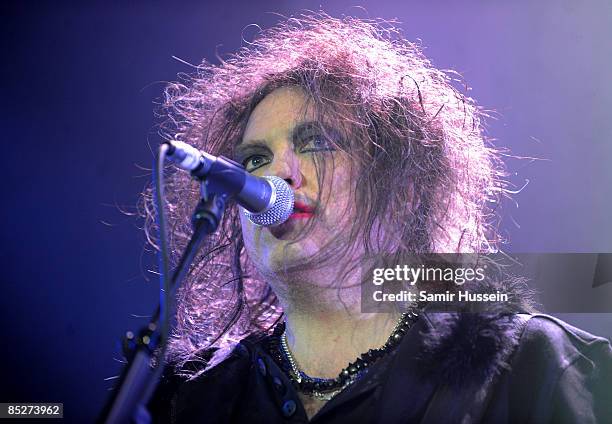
(281,208)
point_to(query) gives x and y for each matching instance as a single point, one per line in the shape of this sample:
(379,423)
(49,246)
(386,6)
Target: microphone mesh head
(281,208)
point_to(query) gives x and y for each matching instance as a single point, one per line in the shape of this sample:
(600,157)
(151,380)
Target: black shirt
(448,368)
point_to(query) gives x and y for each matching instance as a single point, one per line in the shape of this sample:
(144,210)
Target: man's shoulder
(559,373)
(186,394)
(226,374)
(560,343)
(552,354)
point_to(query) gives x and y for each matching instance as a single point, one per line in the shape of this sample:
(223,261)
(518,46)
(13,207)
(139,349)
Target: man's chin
(283,254)
(288,230)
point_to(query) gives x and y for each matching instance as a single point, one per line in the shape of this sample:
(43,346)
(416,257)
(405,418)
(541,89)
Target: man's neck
(324,342)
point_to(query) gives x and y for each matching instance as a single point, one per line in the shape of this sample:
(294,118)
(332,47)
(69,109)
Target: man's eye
(316,143)
(253,162)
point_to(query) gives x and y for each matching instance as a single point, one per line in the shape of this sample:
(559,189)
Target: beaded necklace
(327,388)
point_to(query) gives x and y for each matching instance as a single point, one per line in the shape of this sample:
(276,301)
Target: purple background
(78,86)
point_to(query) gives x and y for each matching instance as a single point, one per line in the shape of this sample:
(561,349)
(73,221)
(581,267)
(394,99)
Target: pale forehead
(277,114)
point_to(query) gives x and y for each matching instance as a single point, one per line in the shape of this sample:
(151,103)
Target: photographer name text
(424,296)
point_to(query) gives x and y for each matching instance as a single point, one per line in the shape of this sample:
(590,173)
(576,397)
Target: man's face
(283,139)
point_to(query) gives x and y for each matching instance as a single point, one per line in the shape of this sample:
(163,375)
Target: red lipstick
(302,210)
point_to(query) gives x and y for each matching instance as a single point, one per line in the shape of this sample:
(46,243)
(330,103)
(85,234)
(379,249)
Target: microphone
(267,201)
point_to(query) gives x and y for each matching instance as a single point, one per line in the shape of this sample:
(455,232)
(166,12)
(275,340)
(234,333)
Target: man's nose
(286,165)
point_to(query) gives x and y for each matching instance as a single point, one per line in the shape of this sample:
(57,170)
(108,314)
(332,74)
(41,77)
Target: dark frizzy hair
(424,172)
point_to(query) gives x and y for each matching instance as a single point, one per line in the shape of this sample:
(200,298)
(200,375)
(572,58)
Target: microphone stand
(138,380)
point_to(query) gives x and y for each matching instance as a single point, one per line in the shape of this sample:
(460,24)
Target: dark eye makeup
(253,155)
(310,137)
(307,137)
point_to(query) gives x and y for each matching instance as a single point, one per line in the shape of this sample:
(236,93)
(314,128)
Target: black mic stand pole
(138,379)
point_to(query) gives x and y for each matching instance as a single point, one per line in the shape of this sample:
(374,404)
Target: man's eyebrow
(303,127)
(242,150)
(251,143)
(294,134)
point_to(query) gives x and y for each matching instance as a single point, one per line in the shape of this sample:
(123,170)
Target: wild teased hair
(423,167)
